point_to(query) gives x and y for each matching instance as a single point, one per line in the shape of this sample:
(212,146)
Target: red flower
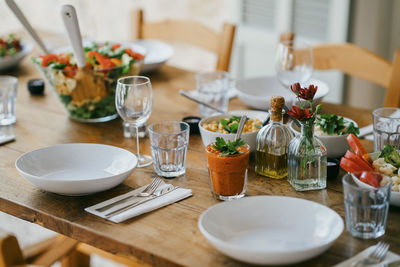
(300,114)
(304,93)
(308,93)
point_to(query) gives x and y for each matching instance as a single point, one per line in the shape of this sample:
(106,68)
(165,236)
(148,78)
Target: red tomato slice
(371,178)
(358,149)
(358,160)
(350,166)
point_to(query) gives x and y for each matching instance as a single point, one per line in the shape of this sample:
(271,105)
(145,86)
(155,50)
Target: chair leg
(76,259)
(10,251)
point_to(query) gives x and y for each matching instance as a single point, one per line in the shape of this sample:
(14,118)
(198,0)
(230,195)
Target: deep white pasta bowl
(272,230)
(209,137)
(76,169)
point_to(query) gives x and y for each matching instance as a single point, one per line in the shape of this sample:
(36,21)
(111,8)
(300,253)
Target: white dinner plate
(270,229)
(13,61)
(157,53)
(76,169)
(257,92)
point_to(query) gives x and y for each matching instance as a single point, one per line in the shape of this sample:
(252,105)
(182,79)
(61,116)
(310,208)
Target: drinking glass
(293,62)
(134,103)
(212,88)
(365,209)
(386,127)
(8,95)
(169,141)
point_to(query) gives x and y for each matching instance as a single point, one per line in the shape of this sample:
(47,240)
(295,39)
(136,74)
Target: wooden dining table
(168,236)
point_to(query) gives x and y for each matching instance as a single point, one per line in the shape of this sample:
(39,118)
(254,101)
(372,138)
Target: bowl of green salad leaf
(92,101)
(332,130)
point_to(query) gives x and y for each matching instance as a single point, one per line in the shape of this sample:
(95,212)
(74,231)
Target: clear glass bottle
(272,143)
(307,160)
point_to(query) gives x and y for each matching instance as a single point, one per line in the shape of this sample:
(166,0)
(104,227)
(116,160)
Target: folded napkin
(156,203)
(391,256)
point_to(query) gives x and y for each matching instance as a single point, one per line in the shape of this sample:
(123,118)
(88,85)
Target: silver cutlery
(375,257)
(187,95)
(150,189)
(156,194)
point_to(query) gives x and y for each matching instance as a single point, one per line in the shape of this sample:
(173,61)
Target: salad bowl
(76,169)
(105,64)
(336,145)
(9,62)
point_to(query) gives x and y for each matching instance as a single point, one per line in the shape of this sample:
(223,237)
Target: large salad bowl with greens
(92,98)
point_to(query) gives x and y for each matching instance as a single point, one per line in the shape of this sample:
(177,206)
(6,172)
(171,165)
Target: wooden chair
(361,63)
(44,253)
(189,32)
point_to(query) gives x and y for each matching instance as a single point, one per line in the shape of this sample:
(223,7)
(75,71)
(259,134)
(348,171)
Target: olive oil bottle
(272,143)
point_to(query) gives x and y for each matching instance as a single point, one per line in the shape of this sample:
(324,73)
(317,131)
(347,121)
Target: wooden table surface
(168,236)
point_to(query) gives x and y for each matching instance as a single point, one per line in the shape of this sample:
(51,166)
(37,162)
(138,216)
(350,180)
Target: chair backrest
(358,62)
(189,32)
(361,63)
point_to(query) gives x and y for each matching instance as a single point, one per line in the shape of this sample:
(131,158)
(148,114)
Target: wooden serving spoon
(90,86)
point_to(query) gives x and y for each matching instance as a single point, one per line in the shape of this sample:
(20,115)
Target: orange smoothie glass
(228,174)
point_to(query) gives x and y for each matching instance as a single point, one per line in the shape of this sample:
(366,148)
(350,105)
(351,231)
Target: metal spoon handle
(241,126)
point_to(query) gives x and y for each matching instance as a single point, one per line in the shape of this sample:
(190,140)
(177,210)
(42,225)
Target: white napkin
(391,256)
(156,203)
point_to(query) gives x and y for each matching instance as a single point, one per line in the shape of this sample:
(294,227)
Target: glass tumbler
(8,96)
(169,141)
(365,209)
(212,88)
(386,127)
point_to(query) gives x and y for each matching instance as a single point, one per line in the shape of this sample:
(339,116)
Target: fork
(376,256)
(150,189)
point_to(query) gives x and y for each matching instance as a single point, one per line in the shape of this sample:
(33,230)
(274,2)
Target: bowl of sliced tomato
(92,101)
(372,170)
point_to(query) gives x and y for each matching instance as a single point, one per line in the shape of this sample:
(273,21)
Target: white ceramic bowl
(209,137)
(76,169)
(157,53)
(270,229)
(11,62)
(395,196)
(256,92)
(336,146)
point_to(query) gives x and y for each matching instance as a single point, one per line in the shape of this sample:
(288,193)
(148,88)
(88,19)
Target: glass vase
(307,160)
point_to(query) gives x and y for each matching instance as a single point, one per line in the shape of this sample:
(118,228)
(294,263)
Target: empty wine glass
(134,103)
(294,62)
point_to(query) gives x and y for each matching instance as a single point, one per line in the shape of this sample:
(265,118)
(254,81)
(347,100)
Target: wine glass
(134,103)
(294,62)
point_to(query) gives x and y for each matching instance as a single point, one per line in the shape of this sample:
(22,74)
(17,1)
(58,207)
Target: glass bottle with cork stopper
(272,143)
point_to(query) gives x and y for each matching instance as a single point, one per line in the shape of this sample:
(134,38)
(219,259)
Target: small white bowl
(209,137)
(13,61)
(394,196)
(76,169)
(336,146)
(272,230)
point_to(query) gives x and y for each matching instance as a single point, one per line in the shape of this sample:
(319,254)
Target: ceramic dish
(209,137)
(13,61)
(272,230)
(157,53)
(395,196)
(76,169)
(336,146)
(256,92)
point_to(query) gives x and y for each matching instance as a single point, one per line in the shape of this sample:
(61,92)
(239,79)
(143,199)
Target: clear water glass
(134,103)
(169,141)
(130,130)
(293,62)
(212,88)
(386,127)
(365,209)
(8,96)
